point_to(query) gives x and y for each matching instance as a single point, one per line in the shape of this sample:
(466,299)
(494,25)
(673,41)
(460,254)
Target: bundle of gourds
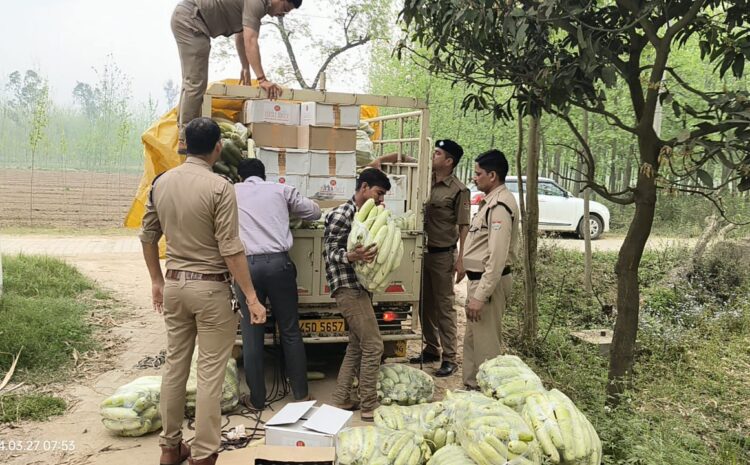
(371,445)
(236,144)
(374,226)
(404,385)
(508,379)
(565,434)
(133,410)
(230,389)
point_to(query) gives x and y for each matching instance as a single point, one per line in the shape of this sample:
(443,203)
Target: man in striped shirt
(365,348)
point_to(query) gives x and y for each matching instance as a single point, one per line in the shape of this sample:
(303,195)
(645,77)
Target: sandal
(367,416)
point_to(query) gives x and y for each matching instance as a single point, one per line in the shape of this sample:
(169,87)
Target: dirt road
(115,262)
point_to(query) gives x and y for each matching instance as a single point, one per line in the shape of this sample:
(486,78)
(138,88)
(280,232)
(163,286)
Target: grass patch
(30,407)
(43,313)
(691,396)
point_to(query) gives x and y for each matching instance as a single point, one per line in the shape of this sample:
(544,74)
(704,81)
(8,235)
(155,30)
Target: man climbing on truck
(195,22)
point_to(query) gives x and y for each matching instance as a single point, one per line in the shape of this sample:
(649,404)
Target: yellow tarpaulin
(160,148)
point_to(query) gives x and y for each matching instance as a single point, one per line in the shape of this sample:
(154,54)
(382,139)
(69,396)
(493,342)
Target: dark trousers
(274,278)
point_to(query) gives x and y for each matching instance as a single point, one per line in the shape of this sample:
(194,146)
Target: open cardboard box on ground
(279,455)
(303,425)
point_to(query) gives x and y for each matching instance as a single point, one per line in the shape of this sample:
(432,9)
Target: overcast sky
(66,39)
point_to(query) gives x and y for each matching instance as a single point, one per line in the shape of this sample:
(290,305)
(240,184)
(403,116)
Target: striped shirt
(338,224)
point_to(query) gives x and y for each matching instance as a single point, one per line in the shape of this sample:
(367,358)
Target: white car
(559,210)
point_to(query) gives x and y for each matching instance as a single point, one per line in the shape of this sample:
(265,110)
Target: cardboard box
(302,425)
(324,163)
(284,161)
(273,455)
(399,187)
(298,181)
(331,188)
(274,135)
(270,111)
(329,139)
(322,114)
(396,206)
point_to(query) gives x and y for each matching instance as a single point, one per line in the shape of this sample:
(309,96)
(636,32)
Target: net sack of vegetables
(230,390)
(565,435)
(133,410)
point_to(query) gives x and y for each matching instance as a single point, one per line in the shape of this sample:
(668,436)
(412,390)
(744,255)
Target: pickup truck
(407,133)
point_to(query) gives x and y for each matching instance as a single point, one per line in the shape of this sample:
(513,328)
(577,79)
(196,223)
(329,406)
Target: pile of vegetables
(371,445)
(375,225)
(133,410)
(230,390)
(235,146)
(508,379)
(404,385)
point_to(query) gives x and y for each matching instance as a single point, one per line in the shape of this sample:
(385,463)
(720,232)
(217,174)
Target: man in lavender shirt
(264,210)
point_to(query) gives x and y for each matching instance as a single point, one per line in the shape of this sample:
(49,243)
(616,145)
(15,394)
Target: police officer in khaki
(195,22)
(446,224)
(196,210)
(491,249)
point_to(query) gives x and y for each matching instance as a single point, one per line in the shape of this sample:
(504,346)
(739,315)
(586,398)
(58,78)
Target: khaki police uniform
(194,23)
(491,249)
(447,209)
(197,211)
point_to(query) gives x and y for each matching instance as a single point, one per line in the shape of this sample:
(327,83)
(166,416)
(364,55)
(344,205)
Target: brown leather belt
(191,276)
(477,275)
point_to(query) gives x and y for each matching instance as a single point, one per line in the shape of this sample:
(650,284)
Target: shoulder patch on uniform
(496,225)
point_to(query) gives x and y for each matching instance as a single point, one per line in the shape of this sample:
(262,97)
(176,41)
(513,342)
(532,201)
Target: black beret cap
(451,147)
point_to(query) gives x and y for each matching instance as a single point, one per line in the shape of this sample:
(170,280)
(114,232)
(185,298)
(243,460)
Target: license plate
(322,326)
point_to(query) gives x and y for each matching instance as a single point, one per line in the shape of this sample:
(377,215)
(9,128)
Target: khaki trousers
(483,339)
(440,325)
(202,309)
(194,47)
(364,351)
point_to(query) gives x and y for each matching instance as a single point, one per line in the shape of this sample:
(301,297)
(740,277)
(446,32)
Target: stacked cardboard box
(310,145)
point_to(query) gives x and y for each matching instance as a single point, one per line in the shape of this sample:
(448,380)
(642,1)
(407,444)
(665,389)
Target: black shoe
(425,357)
(446,369)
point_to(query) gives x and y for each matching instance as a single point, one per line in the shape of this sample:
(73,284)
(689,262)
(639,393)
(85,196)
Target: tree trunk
(577,176)
(556,174)
(587,258)
(612,176)
(628,171)
(622,352)
(531,230)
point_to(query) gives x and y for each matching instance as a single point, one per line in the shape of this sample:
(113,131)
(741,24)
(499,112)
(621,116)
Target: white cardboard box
(302,425)
(324,163)
(270,111)
(261,454)
(331,188)
(399,187)
(284,161)
(396,206)
(296,180)
(322,114)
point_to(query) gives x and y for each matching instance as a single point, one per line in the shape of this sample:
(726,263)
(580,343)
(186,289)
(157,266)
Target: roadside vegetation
(44,310)
(690,394)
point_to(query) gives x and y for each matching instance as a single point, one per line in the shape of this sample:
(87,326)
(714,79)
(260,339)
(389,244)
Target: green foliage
(15,408)
(43,312)
(689,399)
(101,134)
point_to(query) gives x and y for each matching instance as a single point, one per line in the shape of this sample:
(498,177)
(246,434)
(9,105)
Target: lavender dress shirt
(264,209)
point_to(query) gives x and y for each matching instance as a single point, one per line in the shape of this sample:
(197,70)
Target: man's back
(264,209)
(197,212)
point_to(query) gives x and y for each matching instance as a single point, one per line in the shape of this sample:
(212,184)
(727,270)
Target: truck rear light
(395,289)
(389,316)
